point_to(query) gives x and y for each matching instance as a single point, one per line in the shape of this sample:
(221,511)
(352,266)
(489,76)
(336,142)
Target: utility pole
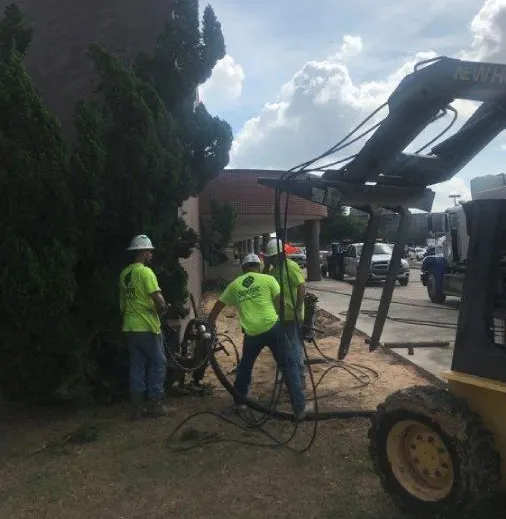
(454,198)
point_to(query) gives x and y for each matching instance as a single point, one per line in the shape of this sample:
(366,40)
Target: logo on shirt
(248,281)
(129,288)
(248,290)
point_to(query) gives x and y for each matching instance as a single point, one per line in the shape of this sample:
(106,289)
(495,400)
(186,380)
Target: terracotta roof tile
(240,187)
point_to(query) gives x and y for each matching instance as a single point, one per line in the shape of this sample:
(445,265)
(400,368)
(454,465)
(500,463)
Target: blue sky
(298,75)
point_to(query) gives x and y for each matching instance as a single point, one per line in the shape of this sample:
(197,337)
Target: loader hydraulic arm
(381,175)
(414,104)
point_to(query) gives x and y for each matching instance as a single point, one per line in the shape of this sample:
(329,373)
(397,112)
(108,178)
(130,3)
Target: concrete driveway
(412,320)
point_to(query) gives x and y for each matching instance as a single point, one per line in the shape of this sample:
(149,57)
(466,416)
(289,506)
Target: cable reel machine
(382,176)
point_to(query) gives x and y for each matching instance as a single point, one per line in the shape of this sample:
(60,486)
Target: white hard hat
(141,242)
(274,247)
(251,258)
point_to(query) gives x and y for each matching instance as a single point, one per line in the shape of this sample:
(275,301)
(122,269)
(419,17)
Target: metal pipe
(357,294)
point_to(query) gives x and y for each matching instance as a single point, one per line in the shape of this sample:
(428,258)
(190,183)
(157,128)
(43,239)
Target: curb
(418,369)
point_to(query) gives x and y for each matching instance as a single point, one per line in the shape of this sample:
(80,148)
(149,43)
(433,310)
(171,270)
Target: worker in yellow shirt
(141,302)
(256,295)
(290,277)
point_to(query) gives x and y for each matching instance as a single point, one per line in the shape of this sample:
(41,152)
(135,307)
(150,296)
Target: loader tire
(433,455)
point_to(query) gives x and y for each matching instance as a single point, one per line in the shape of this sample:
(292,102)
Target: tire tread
(479,468)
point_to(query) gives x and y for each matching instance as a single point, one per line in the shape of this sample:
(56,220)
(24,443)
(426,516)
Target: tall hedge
(68,211)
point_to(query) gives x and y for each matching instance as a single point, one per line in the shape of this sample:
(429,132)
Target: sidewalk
(411,321)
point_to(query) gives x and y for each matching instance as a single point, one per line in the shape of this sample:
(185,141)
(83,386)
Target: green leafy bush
(68,213)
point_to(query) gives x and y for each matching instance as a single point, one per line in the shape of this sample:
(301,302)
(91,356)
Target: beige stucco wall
(193,265)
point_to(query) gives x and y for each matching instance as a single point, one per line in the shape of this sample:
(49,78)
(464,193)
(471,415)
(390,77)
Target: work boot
(137,409)
(239,408)
(157,409)
(301,414)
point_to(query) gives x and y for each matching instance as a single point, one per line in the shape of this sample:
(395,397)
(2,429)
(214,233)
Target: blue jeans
(147,363)
(275,340)
(293,332)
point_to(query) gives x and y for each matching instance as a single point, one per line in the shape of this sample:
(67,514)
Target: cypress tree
(36,224)
(143,149)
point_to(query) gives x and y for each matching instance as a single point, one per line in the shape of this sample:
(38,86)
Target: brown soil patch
(130,471)
(361,382)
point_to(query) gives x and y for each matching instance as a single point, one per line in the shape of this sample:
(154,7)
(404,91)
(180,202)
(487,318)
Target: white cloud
(487,29)
(455,186)
(322,102)
(351,46)
(224,87)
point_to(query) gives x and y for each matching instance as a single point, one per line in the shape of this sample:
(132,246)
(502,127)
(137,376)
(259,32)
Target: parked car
(379,264)
(298,254)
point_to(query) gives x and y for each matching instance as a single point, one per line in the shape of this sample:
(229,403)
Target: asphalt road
(412,319)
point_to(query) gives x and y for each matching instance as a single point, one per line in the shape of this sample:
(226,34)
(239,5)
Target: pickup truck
(379,263)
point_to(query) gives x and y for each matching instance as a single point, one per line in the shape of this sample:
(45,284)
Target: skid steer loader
(440,452)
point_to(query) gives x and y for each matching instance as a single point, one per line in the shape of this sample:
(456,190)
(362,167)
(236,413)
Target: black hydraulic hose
(282,415)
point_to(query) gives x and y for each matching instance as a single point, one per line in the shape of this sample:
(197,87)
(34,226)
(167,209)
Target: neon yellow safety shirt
(253,295)
(136,283)
(291,278)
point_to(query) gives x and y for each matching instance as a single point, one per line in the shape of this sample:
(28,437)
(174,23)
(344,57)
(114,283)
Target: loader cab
(475,233)
(480,343)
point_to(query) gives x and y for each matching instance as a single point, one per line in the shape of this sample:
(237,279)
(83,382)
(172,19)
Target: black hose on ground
(282,415)
(268,412)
